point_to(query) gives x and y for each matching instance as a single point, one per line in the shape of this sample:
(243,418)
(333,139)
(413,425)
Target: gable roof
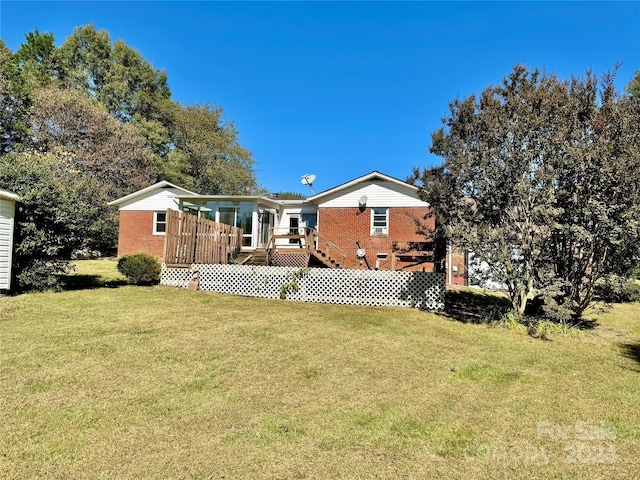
(150,188)
(6,194)
(375,175)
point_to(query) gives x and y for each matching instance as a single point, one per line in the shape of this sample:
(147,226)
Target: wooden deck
(308,242)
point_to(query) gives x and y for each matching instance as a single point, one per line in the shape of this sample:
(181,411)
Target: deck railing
(190,239)
(303,240)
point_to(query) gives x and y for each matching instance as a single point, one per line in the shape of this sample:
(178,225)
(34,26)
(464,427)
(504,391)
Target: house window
(379,221)
(159,223)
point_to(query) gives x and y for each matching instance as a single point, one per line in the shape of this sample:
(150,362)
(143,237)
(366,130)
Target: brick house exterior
(349,227)
(141,215)
(136,234)
(376,221)
(385,219)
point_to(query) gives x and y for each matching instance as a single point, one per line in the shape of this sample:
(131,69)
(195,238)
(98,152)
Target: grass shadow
(631,351)
(467,306)
(89,282)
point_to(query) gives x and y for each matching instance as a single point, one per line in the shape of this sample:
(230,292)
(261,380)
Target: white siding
(7,210)
(282,219)
(378,193)
(155,201)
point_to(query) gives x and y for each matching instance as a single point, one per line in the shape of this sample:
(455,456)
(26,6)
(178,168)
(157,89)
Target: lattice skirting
(299,260)
(423,290)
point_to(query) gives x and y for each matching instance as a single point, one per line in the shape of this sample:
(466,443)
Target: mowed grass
(159,382)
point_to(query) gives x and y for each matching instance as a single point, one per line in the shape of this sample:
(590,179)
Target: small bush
(505,317)
(140,269)
(545,329)
(616,289)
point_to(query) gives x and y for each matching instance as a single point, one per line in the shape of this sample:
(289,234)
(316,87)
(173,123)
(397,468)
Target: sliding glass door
(239,215)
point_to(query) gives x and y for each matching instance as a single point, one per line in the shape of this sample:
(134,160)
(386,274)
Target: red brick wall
(136,234)
(345,226)
(459,260)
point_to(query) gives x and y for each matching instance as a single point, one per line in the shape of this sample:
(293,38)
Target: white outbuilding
(7,213)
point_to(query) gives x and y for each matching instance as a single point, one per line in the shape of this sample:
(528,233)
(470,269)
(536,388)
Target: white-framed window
(379,221)
(159,223)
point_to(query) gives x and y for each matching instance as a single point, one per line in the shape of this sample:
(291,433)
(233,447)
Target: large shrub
(59,211)
(140,269)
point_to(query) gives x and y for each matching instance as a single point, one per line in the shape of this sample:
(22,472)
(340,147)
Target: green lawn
(113,381)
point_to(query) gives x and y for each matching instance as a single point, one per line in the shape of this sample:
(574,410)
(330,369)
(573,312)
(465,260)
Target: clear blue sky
(343,88)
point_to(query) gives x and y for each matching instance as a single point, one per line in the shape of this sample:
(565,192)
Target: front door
(266,224)
(294,228)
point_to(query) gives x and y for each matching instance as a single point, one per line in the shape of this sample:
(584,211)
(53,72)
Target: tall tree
(35,64)
(110,152)
(494,193)
(207,151)
(597,229)
(633,87)
(517,161)
(13,128)
(85,58)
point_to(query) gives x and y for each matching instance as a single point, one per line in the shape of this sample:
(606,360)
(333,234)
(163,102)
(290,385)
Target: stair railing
(316,241)
(309,240)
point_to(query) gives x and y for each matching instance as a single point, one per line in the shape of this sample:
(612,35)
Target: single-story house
(7,214)
(372,222)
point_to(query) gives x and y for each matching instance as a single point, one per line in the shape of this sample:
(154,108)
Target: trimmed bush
(140,269)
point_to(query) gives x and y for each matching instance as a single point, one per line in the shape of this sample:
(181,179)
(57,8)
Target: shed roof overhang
(7,195)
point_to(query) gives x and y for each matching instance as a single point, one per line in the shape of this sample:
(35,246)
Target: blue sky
(339,89)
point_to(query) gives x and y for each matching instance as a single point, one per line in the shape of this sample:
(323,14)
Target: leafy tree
(85,57)
(133,86)
(494,194)
(597,228)
(192,146)
(111,153)
(208,152)
(529,184)
(290,196)
(633,87)
(56,214)
(34,65)
(13,129)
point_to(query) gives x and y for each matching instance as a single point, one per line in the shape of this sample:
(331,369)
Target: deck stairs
(307,248)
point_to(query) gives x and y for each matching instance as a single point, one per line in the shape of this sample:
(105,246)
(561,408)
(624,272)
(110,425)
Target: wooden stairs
(255,257)
(313,250)
(324,259)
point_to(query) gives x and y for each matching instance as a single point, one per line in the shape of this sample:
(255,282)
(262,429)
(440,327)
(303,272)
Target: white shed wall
(7,212)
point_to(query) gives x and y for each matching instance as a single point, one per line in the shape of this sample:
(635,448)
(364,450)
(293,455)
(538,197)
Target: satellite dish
(362,203)
(307,179)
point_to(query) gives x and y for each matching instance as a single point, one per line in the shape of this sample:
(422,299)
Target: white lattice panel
(175,277)
(296,260)
(348,287)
